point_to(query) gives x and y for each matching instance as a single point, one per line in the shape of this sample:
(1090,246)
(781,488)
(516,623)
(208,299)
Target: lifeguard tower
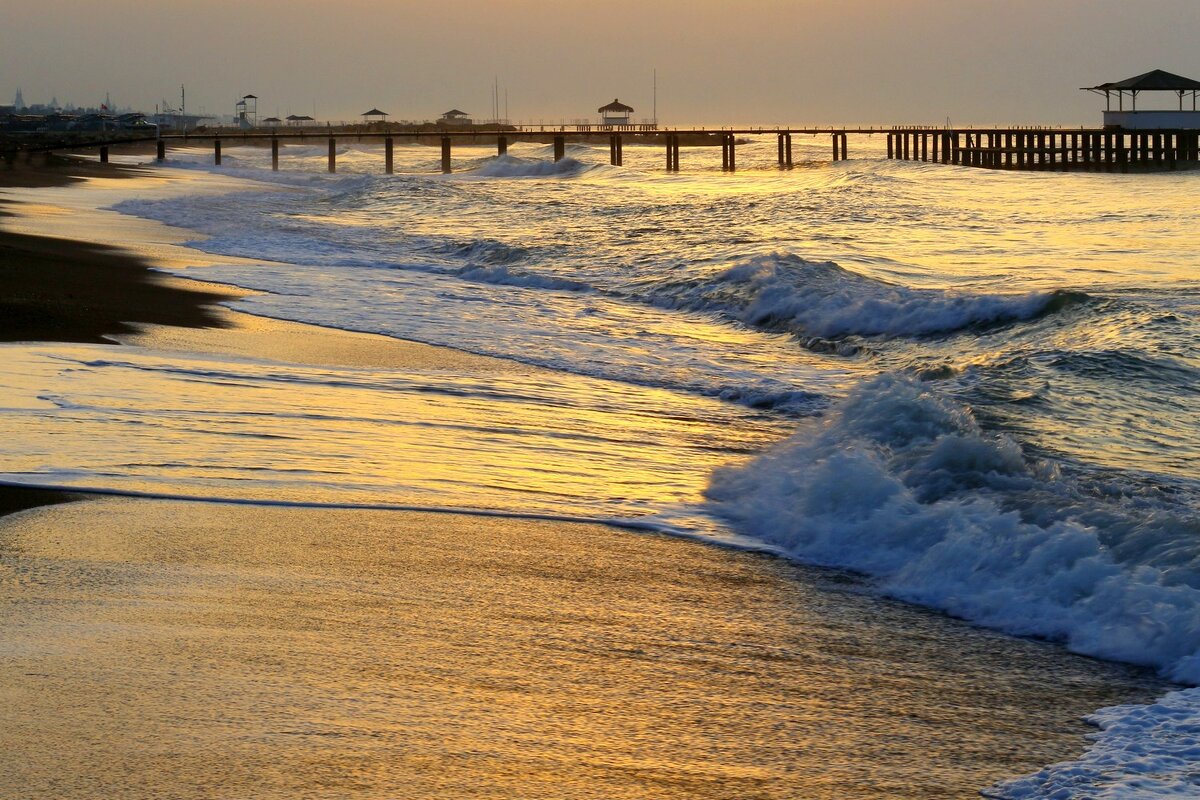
(246,112)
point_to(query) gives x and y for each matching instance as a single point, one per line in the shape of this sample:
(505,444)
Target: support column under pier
(332,154)
(447,168)
(389,152)
(274,154)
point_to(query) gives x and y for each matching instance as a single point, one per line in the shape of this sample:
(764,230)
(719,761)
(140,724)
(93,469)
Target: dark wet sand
(64,291)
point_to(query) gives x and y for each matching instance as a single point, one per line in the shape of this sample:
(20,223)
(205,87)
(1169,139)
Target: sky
(767,62)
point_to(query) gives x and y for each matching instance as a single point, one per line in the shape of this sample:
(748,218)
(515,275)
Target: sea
(978,389)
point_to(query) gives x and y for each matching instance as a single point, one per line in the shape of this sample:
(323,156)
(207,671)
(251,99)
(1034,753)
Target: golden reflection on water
(458,432)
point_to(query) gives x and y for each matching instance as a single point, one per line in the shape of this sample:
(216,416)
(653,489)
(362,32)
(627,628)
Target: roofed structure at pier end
(1149,119)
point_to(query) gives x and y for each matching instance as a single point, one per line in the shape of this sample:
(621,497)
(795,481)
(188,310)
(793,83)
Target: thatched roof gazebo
(1154,81)
(615,113)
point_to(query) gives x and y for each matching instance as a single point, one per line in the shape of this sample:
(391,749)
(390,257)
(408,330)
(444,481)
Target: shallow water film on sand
(978,388)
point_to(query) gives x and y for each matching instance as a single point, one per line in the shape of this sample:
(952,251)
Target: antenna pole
(656,97)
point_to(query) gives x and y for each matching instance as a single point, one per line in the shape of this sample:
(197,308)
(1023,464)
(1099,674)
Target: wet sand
(166,649)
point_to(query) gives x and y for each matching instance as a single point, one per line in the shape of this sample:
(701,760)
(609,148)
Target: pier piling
(672,152)
(104,154)
(785,151)
(728,152)
(446,166)
(217,152)
(560,148)
(389,148)
(161,151)
(501,145)
(332,154)
(275,153)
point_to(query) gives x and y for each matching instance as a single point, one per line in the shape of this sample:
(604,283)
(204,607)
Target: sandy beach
(153,648)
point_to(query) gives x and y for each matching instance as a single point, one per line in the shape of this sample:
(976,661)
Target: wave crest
(507,166)
(903,484)
(822,299)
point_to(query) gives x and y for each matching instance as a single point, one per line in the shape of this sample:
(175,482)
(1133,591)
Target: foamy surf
(901,483)
(1141,753)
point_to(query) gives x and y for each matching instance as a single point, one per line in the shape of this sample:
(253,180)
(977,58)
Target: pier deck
(1097,149)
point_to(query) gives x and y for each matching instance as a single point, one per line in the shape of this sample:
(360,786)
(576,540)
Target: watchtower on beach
(246,111)
(615,113)
(1149,119)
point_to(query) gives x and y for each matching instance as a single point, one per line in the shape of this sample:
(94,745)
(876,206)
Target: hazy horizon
(766,62)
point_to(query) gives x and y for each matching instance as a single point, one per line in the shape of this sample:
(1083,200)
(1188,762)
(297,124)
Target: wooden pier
(1096,149)
(1099,150)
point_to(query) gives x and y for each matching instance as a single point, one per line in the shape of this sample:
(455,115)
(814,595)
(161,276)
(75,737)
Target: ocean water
(981,389)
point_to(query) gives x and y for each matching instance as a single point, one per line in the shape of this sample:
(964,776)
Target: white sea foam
(784,291)
(503,276)
(507,166)
(903,484)
(1142,753)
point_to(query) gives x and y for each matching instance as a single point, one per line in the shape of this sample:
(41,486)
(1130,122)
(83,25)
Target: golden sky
(756,61)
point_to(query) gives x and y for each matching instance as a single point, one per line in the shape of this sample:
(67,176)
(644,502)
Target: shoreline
(222,331)
(63,290)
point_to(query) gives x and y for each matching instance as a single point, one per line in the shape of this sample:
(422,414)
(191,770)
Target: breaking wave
(821,299)
(903,484)
(507,166)
(503,276)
